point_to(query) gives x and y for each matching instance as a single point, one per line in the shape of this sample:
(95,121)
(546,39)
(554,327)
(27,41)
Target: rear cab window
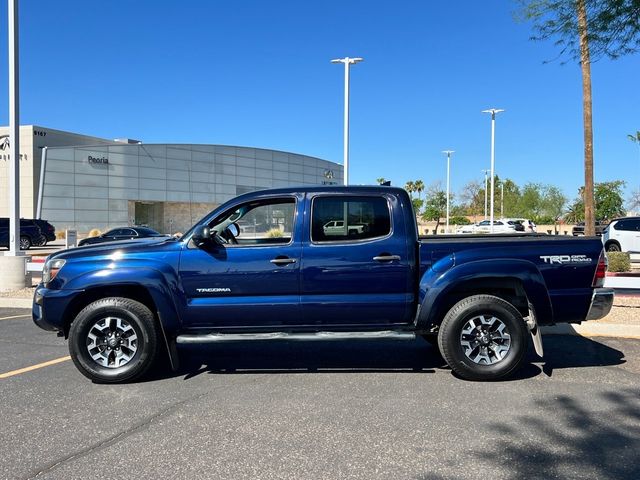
(349,218)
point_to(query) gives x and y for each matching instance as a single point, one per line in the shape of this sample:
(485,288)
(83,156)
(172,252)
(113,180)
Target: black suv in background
(30,233)
(578,230)
(47,230)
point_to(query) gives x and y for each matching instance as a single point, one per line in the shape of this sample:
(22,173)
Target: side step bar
(306,336)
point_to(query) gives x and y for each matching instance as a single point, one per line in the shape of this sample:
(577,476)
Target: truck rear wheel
(483,337)
(114,340)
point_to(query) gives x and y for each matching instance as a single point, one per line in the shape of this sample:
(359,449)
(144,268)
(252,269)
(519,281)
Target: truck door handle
(283,260)
(386,258)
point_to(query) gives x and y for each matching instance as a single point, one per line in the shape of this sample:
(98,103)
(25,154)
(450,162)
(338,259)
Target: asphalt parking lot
(386,409)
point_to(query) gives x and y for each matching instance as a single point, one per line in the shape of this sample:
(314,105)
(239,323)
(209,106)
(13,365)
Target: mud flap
(170,344)
(537,340)
(536,335)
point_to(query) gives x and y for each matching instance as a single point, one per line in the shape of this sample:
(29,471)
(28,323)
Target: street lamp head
(448,152)
(347,60)
(493,111)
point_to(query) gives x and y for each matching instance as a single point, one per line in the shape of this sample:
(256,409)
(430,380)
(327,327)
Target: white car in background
(336,227)
(622,235)
(499,226)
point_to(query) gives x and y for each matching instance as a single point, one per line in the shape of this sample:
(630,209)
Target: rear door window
(349,218)
(627,225)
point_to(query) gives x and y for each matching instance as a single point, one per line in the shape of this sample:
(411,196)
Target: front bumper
(601,303)
(49,306)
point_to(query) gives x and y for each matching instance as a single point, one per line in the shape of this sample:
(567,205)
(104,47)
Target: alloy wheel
(485,339)
(112,342)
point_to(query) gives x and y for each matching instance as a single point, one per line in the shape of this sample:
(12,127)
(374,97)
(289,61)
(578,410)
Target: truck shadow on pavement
(561,437)
(358,356)
(574,351)
(378,356)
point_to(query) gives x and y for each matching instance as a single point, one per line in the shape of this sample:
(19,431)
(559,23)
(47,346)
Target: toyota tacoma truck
(477,299)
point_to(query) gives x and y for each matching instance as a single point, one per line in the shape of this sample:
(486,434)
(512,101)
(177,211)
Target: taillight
(601,271)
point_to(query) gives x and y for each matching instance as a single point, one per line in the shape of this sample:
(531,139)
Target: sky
(258,73)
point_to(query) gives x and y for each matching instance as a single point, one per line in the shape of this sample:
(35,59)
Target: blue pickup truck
(265,267)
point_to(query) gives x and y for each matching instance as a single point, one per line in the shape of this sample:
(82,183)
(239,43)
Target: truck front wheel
(114,340)
(483,337)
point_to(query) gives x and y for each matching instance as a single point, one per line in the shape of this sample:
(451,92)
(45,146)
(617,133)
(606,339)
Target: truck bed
(564,265)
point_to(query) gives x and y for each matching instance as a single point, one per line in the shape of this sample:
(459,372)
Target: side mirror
(234,229)
(201,235)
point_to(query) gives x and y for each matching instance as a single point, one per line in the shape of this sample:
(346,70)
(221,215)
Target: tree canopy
(608,200)
(613,25)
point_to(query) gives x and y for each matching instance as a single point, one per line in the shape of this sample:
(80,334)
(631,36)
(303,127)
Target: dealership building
(83,182)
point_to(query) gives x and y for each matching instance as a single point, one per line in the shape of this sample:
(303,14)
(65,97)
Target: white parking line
(15,316)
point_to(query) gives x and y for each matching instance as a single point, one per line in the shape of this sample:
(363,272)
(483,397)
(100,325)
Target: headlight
(51,269)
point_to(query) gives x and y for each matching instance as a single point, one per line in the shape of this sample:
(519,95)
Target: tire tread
(137,309)
(446,332)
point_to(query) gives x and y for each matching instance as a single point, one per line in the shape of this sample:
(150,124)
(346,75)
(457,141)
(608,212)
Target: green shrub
(619,261)
(459,220)
(544,220)
(275,233)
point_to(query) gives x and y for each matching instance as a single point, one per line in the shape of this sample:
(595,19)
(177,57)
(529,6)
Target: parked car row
(504,225)
(33,232)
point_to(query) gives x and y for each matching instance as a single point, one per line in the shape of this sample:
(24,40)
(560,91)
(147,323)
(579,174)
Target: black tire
(41,242)
(135,316)
(489,367)
(25,243)
(613,247)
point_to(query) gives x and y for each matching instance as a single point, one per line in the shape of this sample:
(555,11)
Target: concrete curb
(15,302)
(622,282)
(590,329)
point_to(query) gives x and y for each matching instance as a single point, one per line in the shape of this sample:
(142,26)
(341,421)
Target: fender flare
(435,286)
(152,280)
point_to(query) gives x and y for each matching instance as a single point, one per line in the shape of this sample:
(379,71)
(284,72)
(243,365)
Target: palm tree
(585,65)
(410,187)
(419,187)
(635,139)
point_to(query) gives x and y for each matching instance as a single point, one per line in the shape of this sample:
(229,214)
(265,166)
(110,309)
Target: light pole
(448,153)
(14,132)
(486,178)
(347,63)
(493,112)
(501,200)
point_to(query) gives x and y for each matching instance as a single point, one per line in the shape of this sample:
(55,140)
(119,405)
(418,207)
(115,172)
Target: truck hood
(141,245)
